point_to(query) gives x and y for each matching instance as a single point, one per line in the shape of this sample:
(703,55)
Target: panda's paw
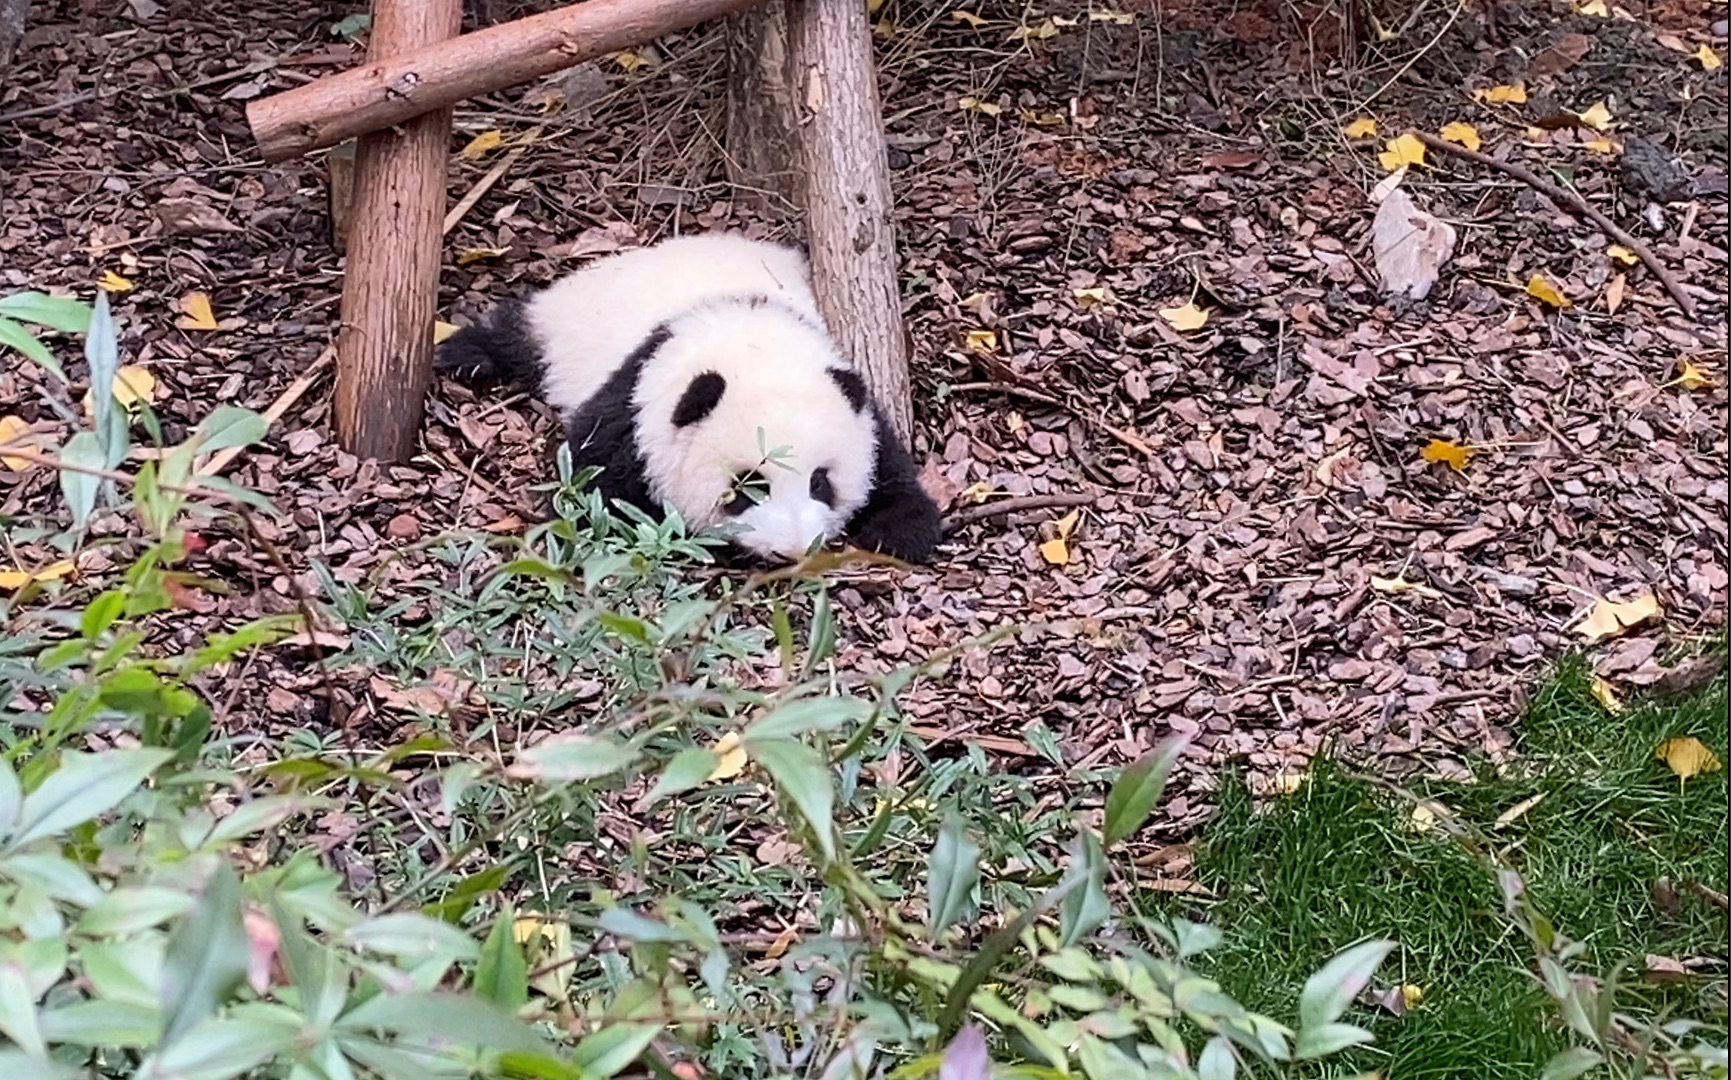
(906,528)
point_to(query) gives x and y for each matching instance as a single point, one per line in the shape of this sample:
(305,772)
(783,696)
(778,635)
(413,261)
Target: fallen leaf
(1401,152)
(1094,297)
(1119,18)
(1463,134)
(1362,128)
(11,431)
(1422,819)
(985,341)
(1561,56)
(1186,318)
(443,330)
(1596,116)
(1519,810)
(970,103)
(1411,245)
(11,580)
(967,17)
(1599,146)
(192,217)
(1707,58)
(1688,757)
(1614,293)
(730,757)
(1041,119)
(1411,996)
(1609,618)
(474,255)
(1386,186)
(1501,95)
(1606,695)
(1690,377)
(1540,288)
(1594,8)
(1057,550)
(1040,32)
(1621,255)
(1442,451)
(198,315)
(632,60)
(1231,159)
(1398,584)
(113,283)
(132,385)
(477,147)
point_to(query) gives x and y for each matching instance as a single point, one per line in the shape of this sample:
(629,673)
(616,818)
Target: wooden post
(390,285)
(12,17)
(847,195)
(762,120)
(392,87)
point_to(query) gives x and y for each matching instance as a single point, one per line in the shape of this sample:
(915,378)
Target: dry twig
(1002,507)
(1575,200)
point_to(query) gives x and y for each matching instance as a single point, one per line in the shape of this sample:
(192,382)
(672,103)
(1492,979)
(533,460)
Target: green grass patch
(1609,851)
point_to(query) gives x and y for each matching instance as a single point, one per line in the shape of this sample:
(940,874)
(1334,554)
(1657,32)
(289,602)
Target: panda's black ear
(852,387)
(699,399)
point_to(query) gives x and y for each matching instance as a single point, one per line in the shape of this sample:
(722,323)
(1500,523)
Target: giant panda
(698,374)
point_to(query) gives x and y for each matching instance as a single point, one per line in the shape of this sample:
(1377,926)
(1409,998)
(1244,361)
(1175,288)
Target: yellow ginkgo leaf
(11,580)
(970,103)
(1614,290)
(1402,152)
(1067,523)
(1187,317)
(1039,32)
(730,757)
(1442,451)
(113,283)
(1596,116)
(967,17)
(1689,377)
(1688,757)
(443,330)
(12,430)
(1362,128)
(631,60)
(1539,287)
(1094,297)
(1421,820)
(1609,618)
(1041,119)
(1607,697)
(474,255)
(985,341)
(1601,145)
(198,314)
(1707,58)
(1594,8)
(1462,133)
(477,147)
(1399,584)
(1621,255)
(1056,551)
(1501,95)
(132,385)
(1412,996)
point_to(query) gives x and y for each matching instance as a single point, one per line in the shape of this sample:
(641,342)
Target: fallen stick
(389,90)
(285,401)
(973,514)
(1574,199)
(485,184)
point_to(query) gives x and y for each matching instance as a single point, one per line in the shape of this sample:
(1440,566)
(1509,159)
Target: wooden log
(847,196)
(391,281)
(389,89)
(762,119)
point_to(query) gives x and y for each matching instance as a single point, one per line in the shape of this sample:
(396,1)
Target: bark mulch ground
(1265,559)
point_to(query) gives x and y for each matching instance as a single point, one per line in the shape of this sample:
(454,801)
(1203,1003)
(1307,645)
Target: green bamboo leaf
(62,313)
(83,787)
(446,1016)
(78,484)
(613,1048)
(1328,992)
(1085,909)
(804,778)
(952,875)
(206,959)
(794,718)
(1138,789)
(688,768)
(571,757)
(1326,1039)
(1571,1063)
(502,973)
(228,426)
(17,337)
(19,1021)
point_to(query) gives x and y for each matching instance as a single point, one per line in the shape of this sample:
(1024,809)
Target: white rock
(1411,246)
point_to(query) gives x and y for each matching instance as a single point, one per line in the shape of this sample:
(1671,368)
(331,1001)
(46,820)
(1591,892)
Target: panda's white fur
(678,366)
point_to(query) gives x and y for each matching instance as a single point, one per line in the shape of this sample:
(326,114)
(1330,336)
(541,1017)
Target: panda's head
(748,418)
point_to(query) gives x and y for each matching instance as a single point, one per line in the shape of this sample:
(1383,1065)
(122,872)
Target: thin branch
(1575,200)
(1002,507)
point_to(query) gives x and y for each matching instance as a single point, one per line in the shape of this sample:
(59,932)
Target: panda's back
(591,320)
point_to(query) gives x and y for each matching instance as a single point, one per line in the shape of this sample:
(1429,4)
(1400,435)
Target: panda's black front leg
(899,519)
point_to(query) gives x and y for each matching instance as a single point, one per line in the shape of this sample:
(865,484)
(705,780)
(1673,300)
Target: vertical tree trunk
(762,120)
(847,188)
(390,287)
(12,13)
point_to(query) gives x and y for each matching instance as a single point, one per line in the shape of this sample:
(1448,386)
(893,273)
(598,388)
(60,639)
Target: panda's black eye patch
(852,387)
(821,489)
(699,399)
(747,490)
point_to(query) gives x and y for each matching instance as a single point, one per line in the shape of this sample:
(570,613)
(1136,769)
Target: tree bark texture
(390,285)
(763,161)
(391,88)
(847,196)
(12,15)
